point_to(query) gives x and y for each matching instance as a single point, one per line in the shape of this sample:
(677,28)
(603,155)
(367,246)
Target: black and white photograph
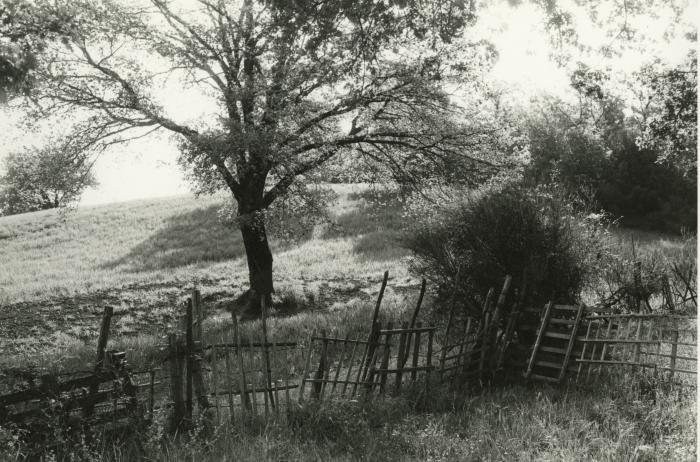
(348,230)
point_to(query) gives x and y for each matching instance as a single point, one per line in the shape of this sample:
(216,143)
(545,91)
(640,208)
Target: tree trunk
(259,259)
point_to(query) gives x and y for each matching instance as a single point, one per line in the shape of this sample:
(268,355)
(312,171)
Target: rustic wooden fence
(61,409)
(243,378)
(393,358)
(663,344)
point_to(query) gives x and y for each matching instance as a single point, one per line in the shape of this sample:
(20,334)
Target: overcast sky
(147,168)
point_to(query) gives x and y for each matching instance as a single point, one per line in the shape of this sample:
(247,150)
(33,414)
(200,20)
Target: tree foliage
(50,177)
(24,29)
(672,130)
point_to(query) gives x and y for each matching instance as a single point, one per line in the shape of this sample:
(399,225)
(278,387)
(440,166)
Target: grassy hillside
(141,257)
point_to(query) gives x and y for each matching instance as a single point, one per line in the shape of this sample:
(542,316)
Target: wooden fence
(240,378)
(55,412)
(393,358)
(666,345)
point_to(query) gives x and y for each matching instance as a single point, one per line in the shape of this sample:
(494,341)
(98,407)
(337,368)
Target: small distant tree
(45,178)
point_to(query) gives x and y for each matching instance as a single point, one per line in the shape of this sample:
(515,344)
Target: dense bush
(627,181)
(506,230)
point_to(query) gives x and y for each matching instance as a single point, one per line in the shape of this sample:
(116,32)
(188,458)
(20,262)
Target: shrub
(506,230)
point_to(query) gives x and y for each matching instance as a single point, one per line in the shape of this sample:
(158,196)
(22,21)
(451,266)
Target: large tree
(292,85)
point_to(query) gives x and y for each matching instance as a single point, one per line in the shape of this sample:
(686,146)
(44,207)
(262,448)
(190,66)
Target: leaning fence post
(369,350)
(99,357)
(493,328)
(413,319)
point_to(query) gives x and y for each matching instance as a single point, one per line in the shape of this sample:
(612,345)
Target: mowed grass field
(58,272)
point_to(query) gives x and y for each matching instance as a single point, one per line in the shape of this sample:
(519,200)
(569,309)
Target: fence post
(175,383)
(416,352)
(307,365)
(668,295)
(495,321)
(318,376)
(245,400)
(429,362)
(674,351)
(99,357)
(402,354)
(385,358)
(413,320)
(637,274)
(450,318)
(198,346)
(189,351)
(369,350)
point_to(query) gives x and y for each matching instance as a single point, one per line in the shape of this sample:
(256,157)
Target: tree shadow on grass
(196,236)
(378,224)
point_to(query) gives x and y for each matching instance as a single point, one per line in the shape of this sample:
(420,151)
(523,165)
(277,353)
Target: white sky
(147,168)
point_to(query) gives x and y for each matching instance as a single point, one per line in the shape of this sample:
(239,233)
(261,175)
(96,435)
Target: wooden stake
(266,353)
(152,394)
(416,352)
(307,365)
(214,380)
(189,345)
(350,365)
(401,359)
(413,319)
(371,340)
(254,386)
(450,318)
(538,341)
(572,341)
(245,401)
(277,397)
(340,362)
(429,362)
(175,382)
(317,386)
(638,337)
(674,351)
(386,357)
(229,381)
(88,409)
